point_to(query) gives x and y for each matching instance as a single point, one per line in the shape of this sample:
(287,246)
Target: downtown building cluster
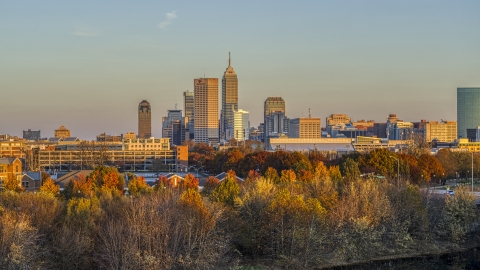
(204,120)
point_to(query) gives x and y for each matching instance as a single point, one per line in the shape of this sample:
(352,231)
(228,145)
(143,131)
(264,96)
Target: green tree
(350,170)
(226,192)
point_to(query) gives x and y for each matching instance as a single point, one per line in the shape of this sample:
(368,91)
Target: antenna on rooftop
(309,113)
(175,106)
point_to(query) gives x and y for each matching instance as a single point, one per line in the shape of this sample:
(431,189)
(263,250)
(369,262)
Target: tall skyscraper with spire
(229,101)
(144,120)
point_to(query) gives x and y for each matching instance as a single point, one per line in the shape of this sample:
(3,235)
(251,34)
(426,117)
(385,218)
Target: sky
(87,64)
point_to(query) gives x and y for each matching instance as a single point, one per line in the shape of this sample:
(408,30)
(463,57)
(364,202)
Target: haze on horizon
(88,64)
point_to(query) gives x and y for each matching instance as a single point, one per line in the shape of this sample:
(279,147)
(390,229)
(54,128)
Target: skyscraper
(274,104)
(206,110)
(274,117)
(241,126)
(189,109)
(468,110)
(229,99)
(174,126)
(144,120)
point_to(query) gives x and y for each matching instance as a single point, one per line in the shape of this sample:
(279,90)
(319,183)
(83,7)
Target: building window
(25,184)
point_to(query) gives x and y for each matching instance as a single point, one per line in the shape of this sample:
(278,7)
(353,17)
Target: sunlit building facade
(206,110)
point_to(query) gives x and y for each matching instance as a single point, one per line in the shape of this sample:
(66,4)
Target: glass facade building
(468,110)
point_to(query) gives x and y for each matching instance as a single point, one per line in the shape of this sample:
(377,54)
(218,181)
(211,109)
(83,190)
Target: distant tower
(189,109)
(468,110)
(275,119)
(229,100)
(144,120)
(206,110)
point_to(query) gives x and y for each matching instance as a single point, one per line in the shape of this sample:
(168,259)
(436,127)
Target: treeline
(415,165)
(276,218)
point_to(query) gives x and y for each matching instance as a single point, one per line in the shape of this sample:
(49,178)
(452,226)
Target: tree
(287,177)
(430,167)
(226,192)
(459,214)
(234,156)
(271,174)
(49,186)
(190,181)
(210,184)
(12,184)
(138,185)
(382,161)
(335,174)
(350,170)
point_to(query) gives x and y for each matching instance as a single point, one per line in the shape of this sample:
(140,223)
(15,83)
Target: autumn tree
(210,184)
(271,174)
(13,184)
(430,167)
(287,177)
(50,187)
(137,186)
(189,182)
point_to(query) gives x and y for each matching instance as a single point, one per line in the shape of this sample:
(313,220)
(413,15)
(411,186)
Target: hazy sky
(87,64)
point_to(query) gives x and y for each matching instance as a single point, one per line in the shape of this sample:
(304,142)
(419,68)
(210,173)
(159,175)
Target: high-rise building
(275,120)
(174,126)
(274,104)
(144,120)
(468,110)
(241,125)
(206,110)
(189,110)
(229,100)
(305,128)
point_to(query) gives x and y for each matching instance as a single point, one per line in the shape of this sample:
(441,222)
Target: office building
(335,119)
(189,111)
(229,100)
(206,110)
(400,131)
(274,104)
(468,110)
(62,132)
(305,128)
(275,120)
(241,126)
(444,131)
(174,126)
(144,120)
(31,135)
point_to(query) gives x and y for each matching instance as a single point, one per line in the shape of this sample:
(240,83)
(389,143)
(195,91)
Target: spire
(228,58)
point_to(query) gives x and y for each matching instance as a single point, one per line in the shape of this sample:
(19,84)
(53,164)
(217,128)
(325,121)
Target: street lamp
(398,170)
(472,172)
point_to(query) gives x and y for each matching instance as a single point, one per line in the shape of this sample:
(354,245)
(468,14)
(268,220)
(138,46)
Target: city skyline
(366,59)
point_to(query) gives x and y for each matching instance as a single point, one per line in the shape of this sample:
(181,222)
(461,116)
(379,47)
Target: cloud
(85,32)
(169,20)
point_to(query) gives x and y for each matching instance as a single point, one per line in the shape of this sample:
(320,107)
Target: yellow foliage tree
(49,186)
(13,184)
(137,186)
